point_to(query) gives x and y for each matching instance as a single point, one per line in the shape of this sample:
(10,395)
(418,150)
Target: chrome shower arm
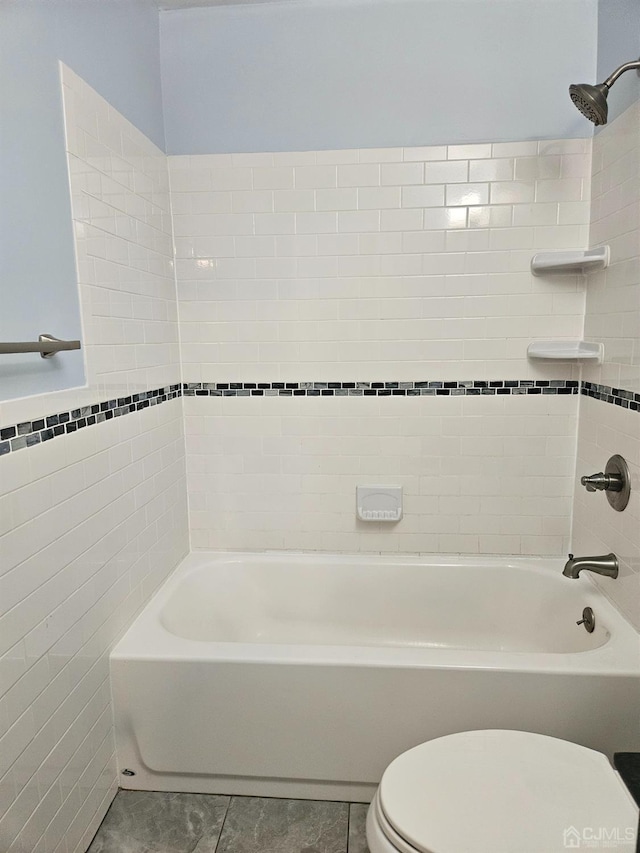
(628,66)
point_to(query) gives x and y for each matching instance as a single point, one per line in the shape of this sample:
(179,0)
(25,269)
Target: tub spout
(606,565)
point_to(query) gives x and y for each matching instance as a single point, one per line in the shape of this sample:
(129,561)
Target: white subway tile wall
(480,474)
(90,523)
(124,244)
(613,318)
(388,265)
(613,295)
(396,264)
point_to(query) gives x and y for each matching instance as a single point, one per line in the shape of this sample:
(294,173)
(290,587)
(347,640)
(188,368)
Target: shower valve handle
(602,482)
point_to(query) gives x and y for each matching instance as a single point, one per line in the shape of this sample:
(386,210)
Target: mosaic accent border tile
(470,388)
(617,396)
(30,433)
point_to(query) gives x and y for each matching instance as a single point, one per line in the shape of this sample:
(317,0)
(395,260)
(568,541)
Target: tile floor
(144,822)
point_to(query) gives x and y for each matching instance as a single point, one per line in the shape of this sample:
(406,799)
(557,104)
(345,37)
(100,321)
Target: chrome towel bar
(46,345)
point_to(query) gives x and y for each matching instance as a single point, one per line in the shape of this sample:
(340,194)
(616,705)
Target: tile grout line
(224,820)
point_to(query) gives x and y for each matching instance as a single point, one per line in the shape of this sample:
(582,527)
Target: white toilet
(501,791)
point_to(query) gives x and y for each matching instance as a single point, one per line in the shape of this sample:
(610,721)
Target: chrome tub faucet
(606,565)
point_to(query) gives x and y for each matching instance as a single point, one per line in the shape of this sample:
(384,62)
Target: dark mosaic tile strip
(30,433)
(616,396)
(470,388)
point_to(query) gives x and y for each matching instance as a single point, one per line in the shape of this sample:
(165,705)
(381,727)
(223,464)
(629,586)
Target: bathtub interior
(310,601)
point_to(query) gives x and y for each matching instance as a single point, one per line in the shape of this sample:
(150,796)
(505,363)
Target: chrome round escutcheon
(619,498)
(588,620)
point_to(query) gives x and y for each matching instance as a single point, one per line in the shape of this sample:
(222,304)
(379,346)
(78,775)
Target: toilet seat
(501,791)
(398,843)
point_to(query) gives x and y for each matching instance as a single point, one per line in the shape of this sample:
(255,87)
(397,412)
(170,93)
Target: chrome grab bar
(46,345)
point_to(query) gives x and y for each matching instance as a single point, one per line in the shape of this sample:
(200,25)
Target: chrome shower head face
(591,101)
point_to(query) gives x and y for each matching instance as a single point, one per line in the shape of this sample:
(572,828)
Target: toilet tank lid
(505,792)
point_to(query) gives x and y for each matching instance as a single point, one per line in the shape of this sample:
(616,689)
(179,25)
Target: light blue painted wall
(114,46)
(367,73)
(618,42)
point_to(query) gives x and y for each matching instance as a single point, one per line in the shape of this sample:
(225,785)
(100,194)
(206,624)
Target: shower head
(592,100)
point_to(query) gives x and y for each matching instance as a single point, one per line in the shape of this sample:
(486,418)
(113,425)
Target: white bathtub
(305,675)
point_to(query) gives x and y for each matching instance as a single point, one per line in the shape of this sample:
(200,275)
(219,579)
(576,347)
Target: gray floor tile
(357,833)
(143,822)
(258,825)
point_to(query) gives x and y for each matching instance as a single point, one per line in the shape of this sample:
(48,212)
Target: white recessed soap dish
(566,350)
(379,503)
(574,261)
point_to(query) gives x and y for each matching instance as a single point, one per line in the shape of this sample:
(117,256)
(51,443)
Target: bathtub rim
(147,638)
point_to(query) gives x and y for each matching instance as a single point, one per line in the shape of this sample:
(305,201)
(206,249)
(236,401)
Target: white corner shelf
(570,262)
(566,350)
